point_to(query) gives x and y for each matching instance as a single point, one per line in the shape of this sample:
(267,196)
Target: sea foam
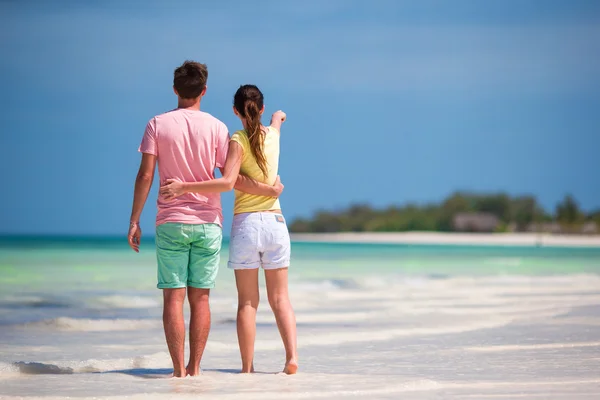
(93,325)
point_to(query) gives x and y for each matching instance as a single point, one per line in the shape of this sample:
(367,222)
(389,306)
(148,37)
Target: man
(188,145)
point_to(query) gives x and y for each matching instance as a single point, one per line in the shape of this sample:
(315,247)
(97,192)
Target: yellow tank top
(245,202)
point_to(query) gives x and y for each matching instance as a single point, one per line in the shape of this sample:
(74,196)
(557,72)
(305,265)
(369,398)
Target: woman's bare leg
(247,286)
(279,300)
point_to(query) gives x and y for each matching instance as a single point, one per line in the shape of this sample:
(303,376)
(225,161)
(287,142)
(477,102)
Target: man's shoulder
(214,120)
(168,115)
(197,117)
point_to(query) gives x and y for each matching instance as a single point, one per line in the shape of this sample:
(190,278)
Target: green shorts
(188,255)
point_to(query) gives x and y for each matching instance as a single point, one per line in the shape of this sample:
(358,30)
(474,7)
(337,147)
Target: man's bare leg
(279,300)
(199,327)
(174,326)
(247,286)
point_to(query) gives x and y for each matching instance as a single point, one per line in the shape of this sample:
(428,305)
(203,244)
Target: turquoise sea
(80,317)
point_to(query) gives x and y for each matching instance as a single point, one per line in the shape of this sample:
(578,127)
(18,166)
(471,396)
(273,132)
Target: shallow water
(81,318)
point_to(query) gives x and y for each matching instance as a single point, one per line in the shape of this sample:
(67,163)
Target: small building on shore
(589,228)
(475,222)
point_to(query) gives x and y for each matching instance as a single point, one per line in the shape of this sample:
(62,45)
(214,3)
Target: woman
(259,235)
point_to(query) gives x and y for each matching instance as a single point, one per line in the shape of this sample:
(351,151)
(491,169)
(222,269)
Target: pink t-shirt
(189,145)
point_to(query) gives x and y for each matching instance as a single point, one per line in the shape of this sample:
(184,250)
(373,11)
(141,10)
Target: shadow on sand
(162,373)
(36,368)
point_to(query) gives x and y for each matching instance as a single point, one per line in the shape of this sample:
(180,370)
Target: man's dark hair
(190,79)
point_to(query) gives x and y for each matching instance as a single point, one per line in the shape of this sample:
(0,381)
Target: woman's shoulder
(240,135)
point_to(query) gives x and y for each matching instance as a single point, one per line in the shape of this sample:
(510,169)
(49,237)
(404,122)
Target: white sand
(443,238)
(455,338)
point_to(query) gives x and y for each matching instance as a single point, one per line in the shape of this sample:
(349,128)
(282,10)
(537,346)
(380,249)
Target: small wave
(315,318)
(541,346)
(156,360)
(93,325)
(153,361)
(438,276)
(504,261)
(15,302)
(35,368)
(327,284)
(118,301)
(8,369)
(339,337)
(344,283)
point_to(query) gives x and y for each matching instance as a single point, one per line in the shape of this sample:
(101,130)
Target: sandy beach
(443,238)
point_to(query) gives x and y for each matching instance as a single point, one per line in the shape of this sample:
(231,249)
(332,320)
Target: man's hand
(278,186)
(134,236)
(172,188)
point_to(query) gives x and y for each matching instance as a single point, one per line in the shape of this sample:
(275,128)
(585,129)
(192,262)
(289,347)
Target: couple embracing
(188,145)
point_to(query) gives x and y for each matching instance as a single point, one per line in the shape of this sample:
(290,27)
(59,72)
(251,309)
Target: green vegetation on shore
(512,213)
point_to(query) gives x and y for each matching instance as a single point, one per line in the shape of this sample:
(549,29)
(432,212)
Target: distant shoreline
(451,238)
(416,238)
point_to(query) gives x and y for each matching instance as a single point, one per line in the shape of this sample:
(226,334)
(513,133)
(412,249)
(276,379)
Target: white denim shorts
(259,239)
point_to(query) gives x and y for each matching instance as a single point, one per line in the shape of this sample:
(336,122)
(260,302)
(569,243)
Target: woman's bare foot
(291,367)
(248,370)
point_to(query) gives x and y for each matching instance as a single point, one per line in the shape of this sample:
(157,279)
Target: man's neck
(189,104)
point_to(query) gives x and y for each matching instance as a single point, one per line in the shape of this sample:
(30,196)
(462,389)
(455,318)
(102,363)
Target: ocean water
(80,318)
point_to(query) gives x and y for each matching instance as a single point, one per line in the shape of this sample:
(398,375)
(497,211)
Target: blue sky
(388,102)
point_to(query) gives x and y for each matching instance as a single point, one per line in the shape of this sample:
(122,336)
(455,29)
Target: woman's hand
(278,186)
(278,116)
(172,188)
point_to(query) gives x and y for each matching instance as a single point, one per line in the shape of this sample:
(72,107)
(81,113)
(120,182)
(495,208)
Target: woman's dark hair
(248,101)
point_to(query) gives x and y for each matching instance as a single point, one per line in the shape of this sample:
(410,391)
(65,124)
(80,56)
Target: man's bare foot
(178,373)
(192,371)
(291,367)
